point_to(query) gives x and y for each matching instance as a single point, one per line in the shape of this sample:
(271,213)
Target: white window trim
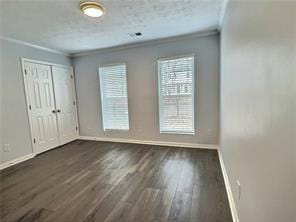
(191,133)
(101,104)
(176,57)
(112,64)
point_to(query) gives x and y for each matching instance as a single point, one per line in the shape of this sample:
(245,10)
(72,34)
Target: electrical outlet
(6,147)
(238,189)
(210,132)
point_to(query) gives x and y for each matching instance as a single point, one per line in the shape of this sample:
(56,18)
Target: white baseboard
(228,189)
(151,142)
(17,160)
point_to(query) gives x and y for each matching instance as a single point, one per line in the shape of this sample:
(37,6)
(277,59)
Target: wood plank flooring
(108,182)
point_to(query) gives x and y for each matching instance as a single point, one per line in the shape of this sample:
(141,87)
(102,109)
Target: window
(176,95)
(114,97)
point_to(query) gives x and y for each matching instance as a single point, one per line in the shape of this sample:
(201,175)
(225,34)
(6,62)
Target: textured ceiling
(60,25)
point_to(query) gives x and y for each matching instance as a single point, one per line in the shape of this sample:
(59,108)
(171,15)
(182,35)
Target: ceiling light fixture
(92,9)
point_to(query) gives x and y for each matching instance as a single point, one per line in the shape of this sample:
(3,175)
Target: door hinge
(71,76)
(30,107)
(34,140)
(74,103)
(76,128)
(25,72)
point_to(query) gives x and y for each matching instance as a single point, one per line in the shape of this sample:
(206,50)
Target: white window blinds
(114,97)
(176,95)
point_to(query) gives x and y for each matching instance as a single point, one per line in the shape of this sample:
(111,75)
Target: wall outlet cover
(210,132)
(6,147)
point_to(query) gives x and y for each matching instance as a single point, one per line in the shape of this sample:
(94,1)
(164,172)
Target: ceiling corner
(222,13)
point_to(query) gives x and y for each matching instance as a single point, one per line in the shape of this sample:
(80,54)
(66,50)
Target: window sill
(178,133)
(115,130)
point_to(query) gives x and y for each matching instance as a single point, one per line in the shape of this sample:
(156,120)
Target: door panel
(41,100)
(65,103)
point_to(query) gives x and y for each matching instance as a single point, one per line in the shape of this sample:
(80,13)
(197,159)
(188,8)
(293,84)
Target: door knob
(58,110)
(53,111)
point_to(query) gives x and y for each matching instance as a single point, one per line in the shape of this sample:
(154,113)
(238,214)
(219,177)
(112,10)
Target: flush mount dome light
(92,9)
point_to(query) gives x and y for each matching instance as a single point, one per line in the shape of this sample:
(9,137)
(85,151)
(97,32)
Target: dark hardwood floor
(102,181)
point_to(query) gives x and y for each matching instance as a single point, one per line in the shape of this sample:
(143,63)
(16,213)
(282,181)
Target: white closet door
(40,96)
(65,103)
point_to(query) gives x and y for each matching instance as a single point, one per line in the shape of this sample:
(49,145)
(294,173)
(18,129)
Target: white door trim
(75,100)
(23,61)
(44,63)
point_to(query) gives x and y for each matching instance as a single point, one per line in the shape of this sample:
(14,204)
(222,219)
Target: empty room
(148,111)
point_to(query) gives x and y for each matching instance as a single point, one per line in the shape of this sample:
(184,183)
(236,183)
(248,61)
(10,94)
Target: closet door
(41,106)
(65,103)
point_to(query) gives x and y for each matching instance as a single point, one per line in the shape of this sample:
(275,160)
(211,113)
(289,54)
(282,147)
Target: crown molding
(222,13)
(209,32)
(213,31)
(34,46)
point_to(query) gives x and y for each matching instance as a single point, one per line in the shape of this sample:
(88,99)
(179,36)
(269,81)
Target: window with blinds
(114,99)
(176,95)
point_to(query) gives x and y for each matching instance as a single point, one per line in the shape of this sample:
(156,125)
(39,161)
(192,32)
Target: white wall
(14,119)
(258,108)
(142,90)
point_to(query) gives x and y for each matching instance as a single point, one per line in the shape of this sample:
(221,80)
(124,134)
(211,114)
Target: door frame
(23,61)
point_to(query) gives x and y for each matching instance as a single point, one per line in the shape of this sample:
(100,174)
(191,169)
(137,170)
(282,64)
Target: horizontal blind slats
(176,90)
(113,85)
